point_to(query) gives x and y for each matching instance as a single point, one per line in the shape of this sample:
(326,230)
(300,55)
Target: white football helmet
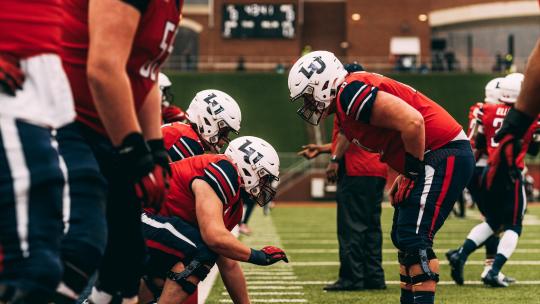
(510,88)
(493,91)
(518,76)
(215,114)
(258,166)
(315,77)
(165,84)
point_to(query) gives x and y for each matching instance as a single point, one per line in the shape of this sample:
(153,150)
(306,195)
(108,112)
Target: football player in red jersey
(504,199)
(112,52)
(169,112)
(212,115)
(47,171)
(414,135)
(192,230)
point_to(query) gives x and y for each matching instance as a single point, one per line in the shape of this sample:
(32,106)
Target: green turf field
(308,234)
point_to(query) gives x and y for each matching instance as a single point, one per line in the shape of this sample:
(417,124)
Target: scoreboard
(243,21)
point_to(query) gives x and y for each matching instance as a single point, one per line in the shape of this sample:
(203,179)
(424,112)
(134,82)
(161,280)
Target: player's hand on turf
(310,151)
(401,190)
(149,179)
(332,172)
(11,75)
(267,256)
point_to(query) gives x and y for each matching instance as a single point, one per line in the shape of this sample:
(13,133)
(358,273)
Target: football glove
(267,256)
(414,167)
(404,187)
(150,179)
(11,75)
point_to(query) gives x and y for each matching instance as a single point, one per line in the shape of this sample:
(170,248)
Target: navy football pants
(421,215)
(31,189)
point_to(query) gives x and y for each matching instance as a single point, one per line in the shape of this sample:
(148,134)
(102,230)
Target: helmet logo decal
(212,103)
(248,152)
(313,67)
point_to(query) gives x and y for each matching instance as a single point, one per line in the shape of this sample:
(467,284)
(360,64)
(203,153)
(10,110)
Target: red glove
(405,185)
(149,178)
(267,256)
(504,158)
(11,75)
(172,114)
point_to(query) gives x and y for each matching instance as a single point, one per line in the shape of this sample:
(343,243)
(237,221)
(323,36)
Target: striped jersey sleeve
(185,147)
(357,99)
(479,117)
(223,178)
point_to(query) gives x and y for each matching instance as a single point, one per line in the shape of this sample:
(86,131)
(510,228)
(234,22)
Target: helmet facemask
(167,97)
(265,191)
(217,141)
(312,110)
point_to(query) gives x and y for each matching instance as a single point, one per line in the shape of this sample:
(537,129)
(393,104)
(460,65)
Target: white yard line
(281,274)
(531,282)
(440,250)
(334,241)
(442,262)
(272,293)
(269,301)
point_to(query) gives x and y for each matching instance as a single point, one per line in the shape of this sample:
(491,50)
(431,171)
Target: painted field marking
(334,241)
(255,277)
(527,282)
(269,301)
(336,263)
(266,273)
(440,250)
(274,287)
(272,293)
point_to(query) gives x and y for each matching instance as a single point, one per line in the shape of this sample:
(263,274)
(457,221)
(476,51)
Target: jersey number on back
(497,124)
(150,68)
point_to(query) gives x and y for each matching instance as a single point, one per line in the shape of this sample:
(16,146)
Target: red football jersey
(219,172)
(492,118)
(355,100)
(181,141)
(30,27)
(473,119)
(359,162)
(152,44)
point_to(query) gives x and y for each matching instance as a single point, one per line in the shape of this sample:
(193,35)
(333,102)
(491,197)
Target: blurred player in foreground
(414,135)
(112,54)
(192,230)
(47,171)
(504,201)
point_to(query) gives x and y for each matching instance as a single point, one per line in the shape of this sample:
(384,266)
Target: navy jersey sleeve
(223,178)
(185,147)
(357,99)
(140,5)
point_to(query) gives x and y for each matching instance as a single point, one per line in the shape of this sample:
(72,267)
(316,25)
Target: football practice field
(307,232)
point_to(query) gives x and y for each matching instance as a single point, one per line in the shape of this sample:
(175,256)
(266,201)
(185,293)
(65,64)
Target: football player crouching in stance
(212,115)
(169,112)
(191,232)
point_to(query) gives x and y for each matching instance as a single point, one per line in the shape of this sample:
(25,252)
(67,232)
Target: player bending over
(504,200)
(191,232)
(414,136)
(169,112)
(212,115)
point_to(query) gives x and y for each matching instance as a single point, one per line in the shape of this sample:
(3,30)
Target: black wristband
(334,159)
(518,122)
(134,155)
(257,257)
(414,167)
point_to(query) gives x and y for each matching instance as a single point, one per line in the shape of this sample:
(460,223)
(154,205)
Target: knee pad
(421,257)
(195,268)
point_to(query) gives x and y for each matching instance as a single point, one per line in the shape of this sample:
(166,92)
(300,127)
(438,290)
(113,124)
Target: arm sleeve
(223,178)
(140,5)
(185,147)
(480,120)
(357,99)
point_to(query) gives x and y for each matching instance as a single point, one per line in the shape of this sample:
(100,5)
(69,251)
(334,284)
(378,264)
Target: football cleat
(456,265)
(495,280)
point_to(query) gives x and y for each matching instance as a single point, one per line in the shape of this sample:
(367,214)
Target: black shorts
(421,215)
(171,240)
